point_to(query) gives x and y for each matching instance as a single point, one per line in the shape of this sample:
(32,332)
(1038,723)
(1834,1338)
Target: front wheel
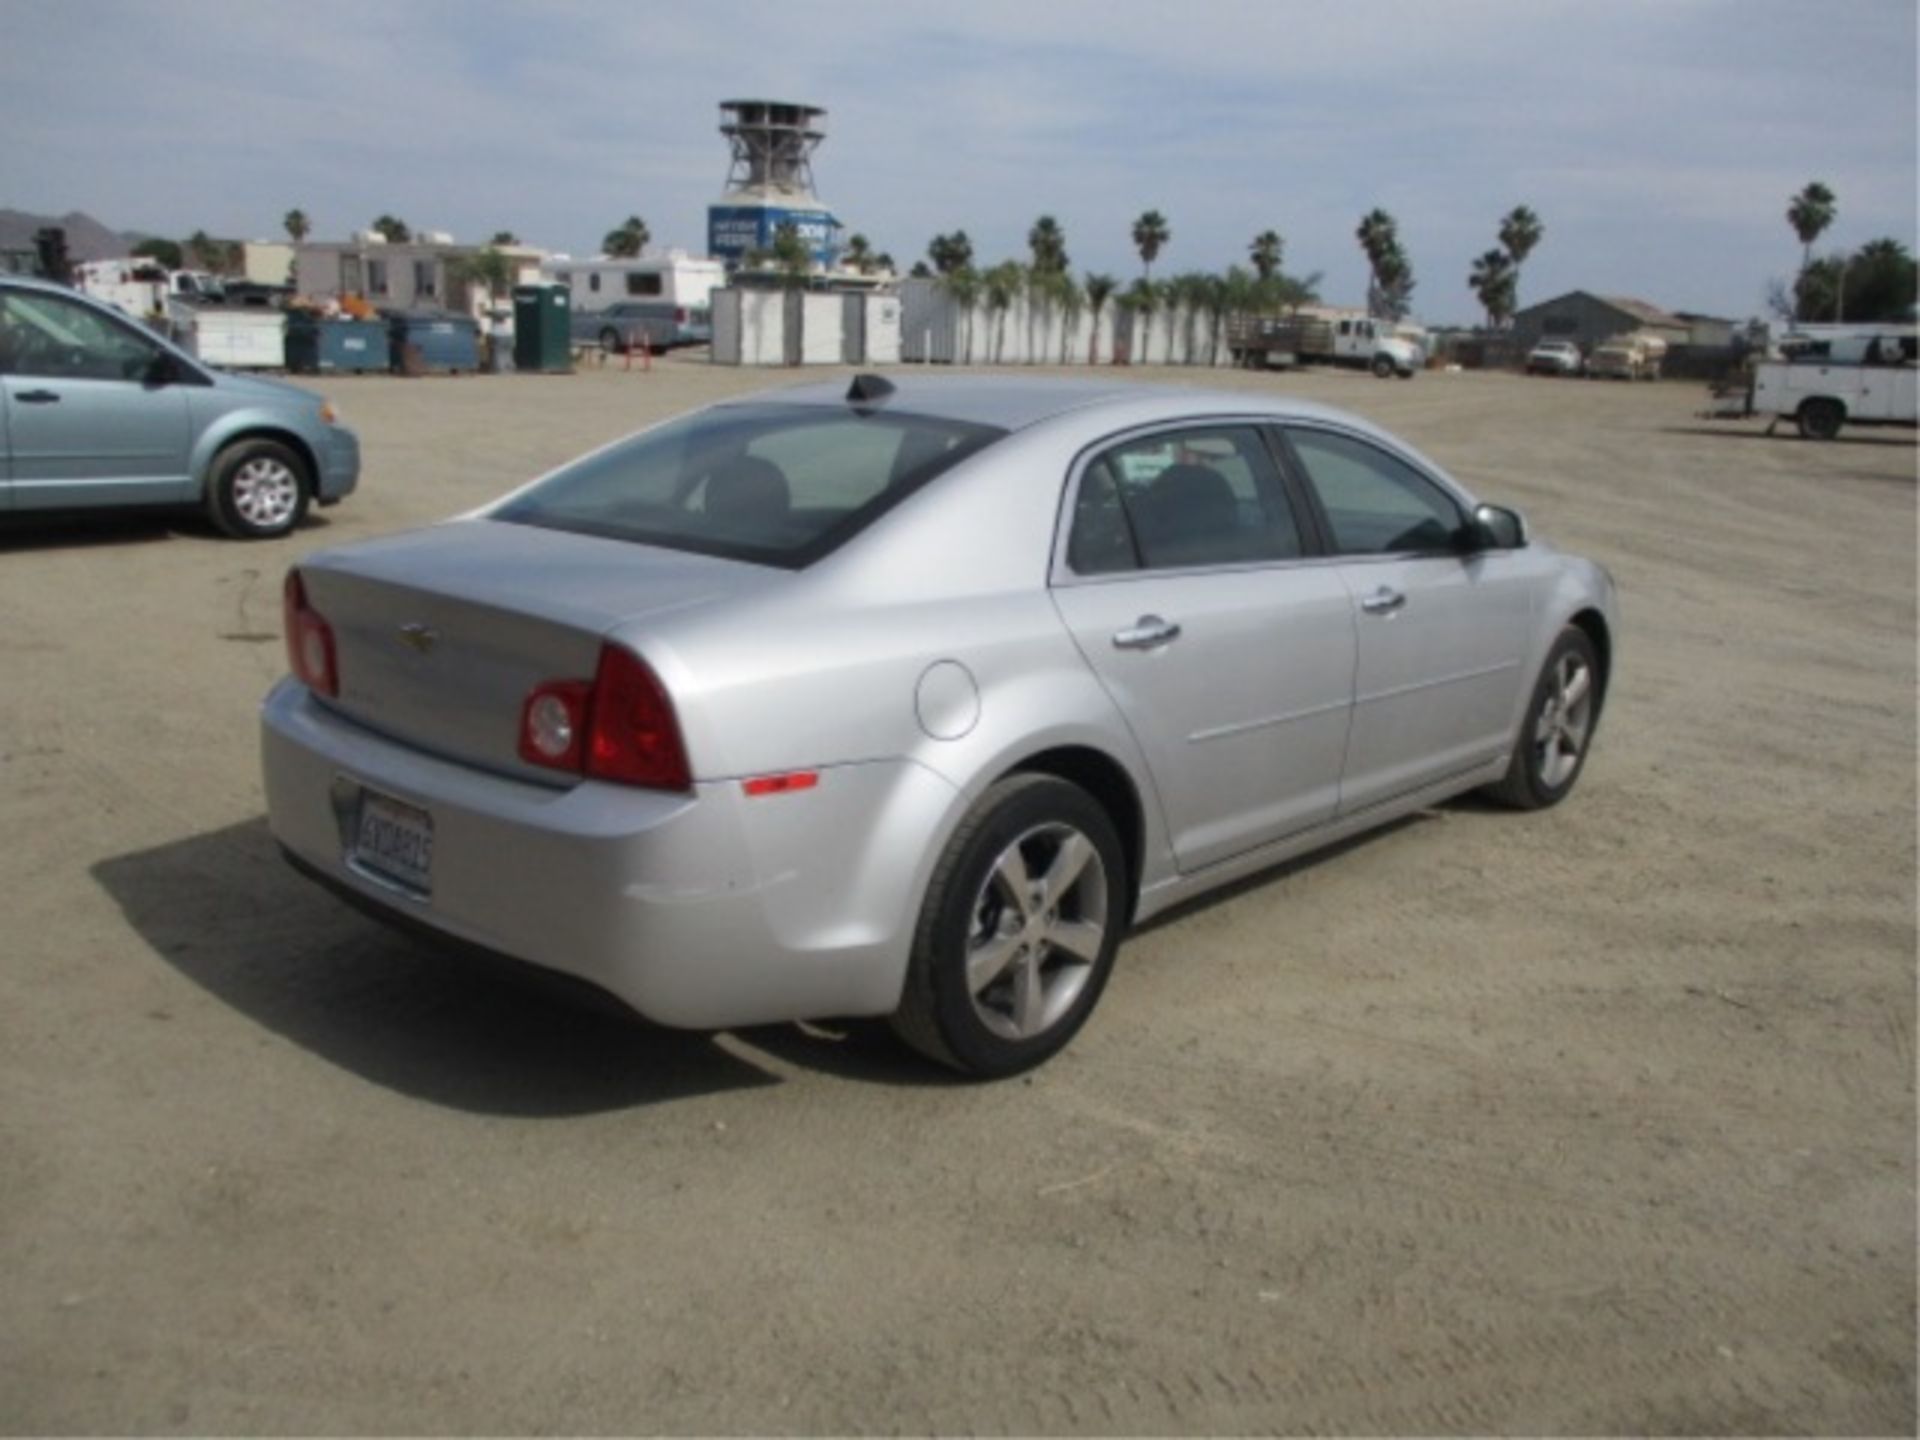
(258,489)
(1820,419)
(1558,728)
(1017,934)
(1382,366)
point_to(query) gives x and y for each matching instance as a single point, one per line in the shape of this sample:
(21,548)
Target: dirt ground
(1600,1120)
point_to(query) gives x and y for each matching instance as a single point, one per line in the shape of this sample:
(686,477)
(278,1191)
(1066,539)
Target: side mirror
(1494,527)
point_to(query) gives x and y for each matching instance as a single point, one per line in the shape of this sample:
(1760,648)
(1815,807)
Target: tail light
(620,726)
(310,652)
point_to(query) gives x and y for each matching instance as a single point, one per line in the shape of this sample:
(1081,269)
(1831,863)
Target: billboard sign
(733,230)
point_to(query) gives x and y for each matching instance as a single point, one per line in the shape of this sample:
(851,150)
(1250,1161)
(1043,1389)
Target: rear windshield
(774,484)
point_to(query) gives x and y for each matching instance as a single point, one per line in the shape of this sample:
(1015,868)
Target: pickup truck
(1858,380)
(1360,343)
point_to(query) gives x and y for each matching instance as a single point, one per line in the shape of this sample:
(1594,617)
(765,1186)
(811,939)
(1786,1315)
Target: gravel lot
(1599,1120)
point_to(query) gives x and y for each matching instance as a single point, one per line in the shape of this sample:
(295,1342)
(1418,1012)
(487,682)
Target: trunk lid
(441,633)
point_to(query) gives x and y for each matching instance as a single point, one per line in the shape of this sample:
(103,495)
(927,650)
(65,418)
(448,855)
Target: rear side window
(1181,499)
(774,484)
(1375,504)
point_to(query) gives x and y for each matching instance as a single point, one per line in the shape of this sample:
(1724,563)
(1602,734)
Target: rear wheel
(1018,931)
(258,489)
(1820,419)
(1558,728)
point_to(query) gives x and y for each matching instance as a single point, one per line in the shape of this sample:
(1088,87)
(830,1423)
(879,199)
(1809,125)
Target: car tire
(1821,419)
(1557,731)
(258,490)
(610,341)
(1018,930)
(1382,367)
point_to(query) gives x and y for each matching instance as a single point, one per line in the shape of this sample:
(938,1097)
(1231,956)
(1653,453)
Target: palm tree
(1144,297)
(1186,294)
(1495,279)
(951,253)
(1002,286)
(628,240)
(790,254)
(1810,213)
(1394,273)
(883,263)
(296,225)
(1266,251)
(860,254)
(1049,246)
(1073,304)
(207,253)
(1150,233)
(504,237)
(1379,237)
(1520,232)
(962,285)
(394,228)
(1099,289)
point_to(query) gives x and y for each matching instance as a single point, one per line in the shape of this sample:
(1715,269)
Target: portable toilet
(542,328)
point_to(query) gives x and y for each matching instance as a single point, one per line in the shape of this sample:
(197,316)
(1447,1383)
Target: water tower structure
(770,181)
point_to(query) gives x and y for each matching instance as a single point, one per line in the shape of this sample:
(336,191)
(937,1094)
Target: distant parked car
(100,412)
(626,324)
(909,700)
(1555,357)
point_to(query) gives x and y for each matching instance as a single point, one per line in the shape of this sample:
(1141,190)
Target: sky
(1658,140)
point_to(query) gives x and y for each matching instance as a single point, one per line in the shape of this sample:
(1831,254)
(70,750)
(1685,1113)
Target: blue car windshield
(764,482)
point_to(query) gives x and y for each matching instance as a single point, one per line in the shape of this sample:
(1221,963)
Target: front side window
(1172,501)
(769,483)
(46,335)
(1375,503)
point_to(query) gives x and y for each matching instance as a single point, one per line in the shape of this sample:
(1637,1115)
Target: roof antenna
(868,388)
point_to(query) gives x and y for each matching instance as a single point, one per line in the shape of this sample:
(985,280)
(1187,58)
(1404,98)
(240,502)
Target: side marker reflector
(781,784)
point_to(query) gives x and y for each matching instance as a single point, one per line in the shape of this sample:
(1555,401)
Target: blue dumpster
(439,340)
(316,346)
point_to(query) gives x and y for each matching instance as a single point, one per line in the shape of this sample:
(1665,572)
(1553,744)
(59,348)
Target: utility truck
(1359,342)
(1868,377)
(142,287)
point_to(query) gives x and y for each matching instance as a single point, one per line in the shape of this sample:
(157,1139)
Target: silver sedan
(908,699)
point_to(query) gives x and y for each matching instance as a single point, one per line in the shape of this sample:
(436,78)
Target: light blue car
(98,412)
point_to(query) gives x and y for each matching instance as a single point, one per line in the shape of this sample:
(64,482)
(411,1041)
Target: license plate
(394,841)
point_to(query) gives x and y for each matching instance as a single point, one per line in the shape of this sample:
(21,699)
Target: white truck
(142,287)
(1359,342)
(1868,378)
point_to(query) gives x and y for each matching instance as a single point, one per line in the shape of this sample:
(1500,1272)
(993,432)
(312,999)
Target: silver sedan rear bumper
(701,910)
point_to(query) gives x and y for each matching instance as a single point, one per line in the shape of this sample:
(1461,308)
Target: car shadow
(1312,859)
(78,530)
(225,911)
(1787,433)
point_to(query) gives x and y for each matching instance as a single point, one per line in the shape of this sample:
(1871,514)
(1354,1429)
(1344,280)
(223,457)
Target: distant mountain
(87,238)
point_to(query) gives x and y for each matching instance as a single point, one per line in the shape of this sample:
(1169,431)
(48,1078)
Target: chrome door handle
(1146,633)
(1383,601)
(37,397)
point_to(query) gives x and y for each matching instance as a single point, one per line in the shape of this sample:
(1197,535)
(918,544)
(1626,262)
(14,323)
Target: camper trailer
(669,295)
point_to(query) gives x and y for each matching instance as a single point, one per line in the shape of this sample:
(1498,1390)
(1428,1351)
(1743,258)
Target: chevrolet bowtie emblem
(418,637)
